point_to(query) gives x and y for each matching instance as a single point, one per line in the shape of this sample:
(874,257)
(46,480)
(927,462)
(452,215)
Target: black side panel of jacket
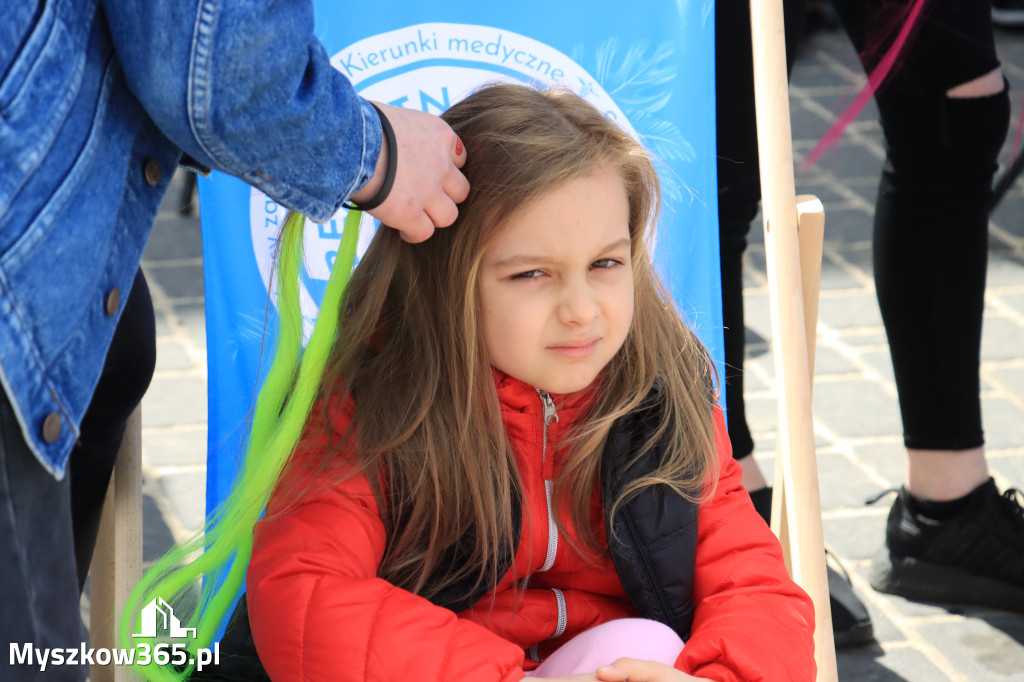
(652,538)
(238,657)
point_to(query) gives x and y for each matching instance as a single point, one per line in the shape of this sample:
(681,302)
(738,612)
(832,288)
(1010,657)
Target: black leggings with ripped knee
(931,224)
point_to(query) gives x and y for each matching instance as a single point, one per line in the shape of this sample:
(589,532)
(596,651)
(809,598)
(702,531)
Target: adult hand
(428,182)
(635,670)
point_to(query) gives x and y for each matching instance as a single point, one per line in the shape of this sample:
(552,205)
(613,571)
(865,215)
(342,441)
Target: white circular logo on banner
(427,67)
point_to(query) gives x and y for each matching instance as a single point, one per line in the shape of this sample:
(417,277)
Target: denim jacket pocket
(38,91)
(22,63)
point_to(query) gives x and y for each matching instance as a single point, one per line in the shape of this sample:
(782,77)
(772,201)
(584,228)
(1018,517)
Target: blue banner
(648,65)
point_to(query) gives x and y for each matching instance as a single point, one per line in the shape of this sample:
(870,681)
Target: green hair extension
(224,545)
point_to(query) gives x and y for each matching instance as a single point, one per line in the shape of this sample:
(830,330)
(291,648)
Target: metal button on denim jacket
(98,101)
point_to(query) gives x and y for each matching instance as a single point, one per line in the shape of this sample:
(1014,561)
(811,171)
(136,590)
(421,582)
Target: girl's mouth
(579,349)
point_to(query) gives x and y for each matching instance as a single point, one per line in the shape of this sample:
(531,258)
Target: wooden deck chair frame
(793,236)
(117,561)
(793,231)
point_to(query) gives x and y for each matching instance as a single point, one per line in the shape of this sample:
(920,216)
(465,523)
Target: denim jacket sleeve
(245,87)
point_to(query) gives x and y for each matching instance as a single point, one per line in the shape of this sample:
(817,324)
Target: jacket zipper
(549,414)
(563,616)
(549,558)
(563,622)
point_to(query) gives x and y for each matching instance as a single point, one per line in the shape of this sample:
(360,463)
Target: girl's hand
(635,670)
(584,677)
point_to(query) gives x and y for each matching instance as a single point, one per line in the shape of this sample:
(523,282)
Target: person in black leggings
(944,110)
(127,372)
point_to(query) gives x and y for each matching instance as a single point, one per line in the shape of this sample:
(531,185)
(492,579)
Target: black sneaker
(1008,13)
(976,557)
(851,624)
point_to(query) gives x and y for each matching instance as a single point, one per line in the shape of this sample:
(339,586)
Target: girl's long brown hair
(428,432)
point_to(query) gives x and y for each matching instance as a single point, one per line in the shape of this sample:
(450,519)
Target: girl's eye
(529,274)
(605,263)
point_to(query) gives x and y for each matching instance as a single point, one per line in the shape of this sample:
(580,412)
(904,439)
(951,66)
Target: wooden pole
(811,235)
(810,224)
(117,561)
(789,330)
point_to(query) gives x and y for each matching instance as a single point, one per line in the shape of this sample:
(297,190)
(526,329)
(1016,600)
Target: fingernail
(458,146)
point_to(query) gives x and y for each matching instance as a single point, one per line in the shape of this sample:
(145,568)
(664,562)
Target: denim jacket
(99,100)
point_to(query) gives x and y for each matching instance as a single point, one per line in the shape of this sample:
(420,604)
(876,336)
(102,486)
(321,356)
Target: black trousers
(931,222)
(37,567)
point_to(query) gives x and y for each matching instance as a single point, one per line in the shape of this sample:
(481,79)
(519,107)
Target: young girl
(516,466)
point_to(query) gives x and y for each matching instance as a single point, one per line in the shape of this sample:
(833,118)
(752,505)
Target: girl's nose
(579,304)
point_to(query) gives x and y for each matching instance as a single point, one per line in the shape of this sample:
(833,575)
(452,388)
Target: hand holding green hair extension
(224,546)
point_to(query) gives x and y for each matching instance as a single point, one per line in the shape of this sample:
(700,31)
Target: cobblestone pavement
(856,417)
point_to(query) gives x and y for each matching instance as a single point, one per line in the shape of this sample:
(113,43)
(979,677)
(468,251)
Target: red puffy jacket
(318,611)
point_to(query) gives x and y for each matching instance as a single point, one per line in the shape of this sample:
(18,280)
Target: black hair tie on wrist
(389,175)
